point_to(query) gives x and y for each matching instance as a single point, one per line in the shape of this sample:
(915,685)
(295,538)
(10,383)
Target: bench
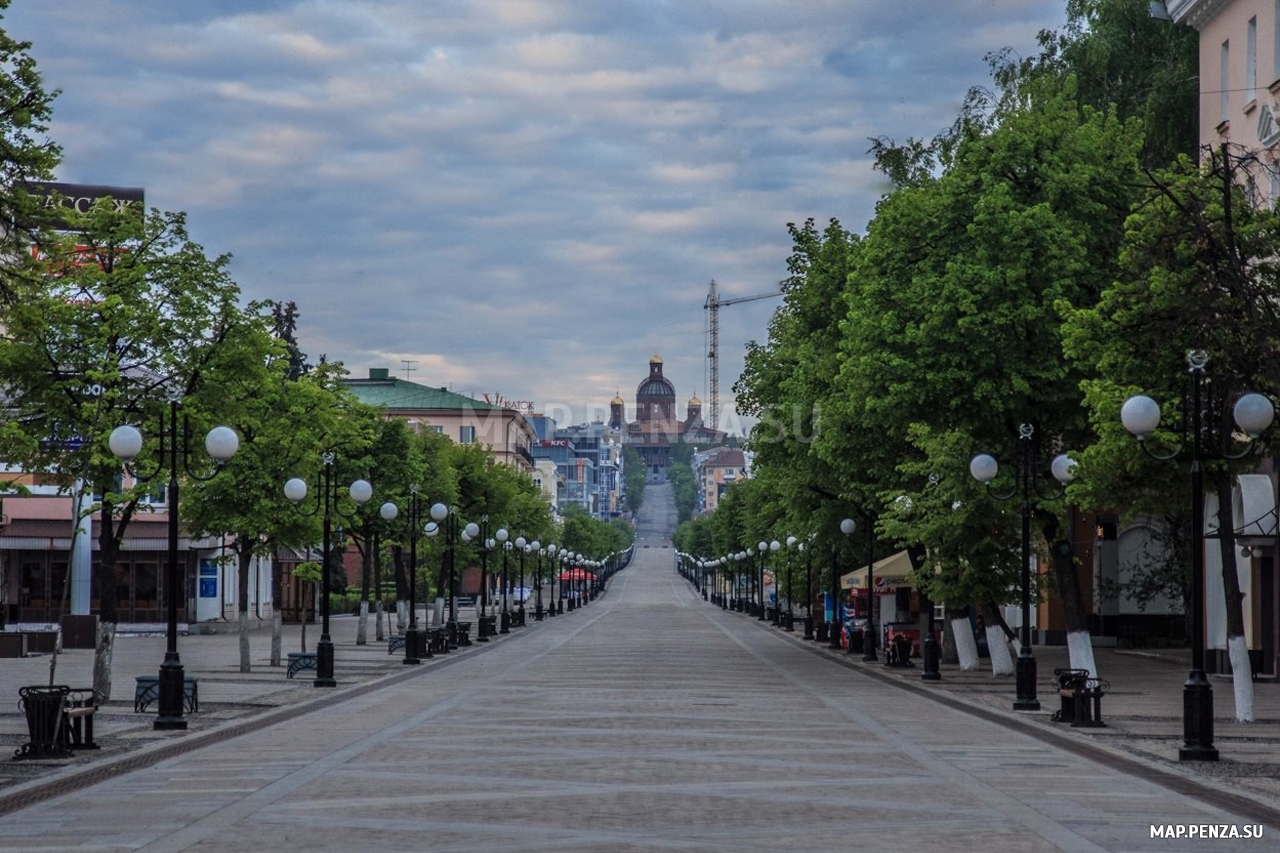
(395,644)
(147,691)
(77,726)
(437,641)
(298,661)
(1081,698)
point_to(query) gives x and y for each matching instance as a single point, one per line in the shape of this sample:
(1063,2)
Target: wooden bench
(82,704)
(1081,697)
(299,661)
(147,690)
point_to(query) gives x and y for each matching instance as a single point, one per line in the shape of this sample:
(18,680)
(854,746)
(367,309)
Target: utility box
(79,632)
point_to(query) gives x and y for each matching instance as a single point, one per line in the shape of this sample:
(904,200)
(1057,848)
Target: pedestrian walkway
(1142,711)
(647,720)
(226,695)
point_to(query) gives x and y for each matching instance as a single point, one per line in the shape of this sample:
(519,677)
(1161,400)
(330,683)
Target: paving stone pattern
(645,721)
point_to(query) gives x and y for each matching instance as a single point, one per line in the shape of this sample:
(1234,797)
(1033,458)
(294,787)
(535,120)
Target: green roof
(401,394)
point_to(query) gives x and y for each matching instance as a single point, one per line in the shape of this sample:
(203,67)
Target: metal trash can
(43,707)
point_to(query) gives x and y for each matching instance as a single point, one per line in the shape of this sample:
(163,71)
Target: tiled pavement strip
(648,720)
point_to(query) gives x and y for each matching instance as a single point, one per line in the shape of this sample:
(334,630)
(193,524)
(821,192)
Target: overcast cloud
(526,197)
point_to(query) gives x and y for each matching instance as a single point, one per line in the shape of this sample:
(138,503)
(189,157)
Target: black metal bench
(437,641)
(298,661)
(1081,697)
(147,690)
(395,643)
(897,652)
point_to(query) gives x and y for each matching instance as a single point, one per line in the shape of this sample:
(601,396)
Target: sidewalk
(1142,711)
(225,694)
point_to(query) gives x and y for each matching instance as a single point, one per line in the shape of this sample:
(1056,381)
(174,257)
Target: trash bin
(43,707)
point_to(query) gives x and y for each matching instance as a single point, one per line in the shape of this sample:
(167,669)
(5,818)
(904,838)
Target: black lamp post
(447,518)
(929,656)
(774,547)
(295,490)
(523,546)
(1253,414)
(504,619)
(486,543)
(984,467)
(221,444)
(789,620)
(808,591)
(763,548)
(413,646)
(847,527)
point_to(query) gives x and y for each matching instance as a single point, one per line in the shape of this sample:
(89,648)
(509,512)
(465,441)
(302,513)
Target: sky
(516,197)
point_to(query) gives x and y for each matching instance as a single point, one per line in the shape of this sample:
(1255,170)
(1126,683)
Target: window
(438,430)
(466,435)
(1251,62)
(1224,82)
(1275,47)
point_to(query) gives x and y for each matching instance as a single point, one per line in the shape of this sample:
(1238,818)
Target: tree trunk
(1237,646)
(277,599)
(105,578)
(378,634)
(966,647)
(1079,641)
(400,573)
(998,635)
(366,571)
(244,564)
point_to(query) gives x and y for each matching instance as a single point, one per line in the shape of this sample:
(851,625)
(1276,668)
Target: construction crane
(712,306)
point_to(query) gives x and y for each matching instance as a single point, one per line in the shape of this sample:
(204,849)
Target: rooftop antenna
(407,368)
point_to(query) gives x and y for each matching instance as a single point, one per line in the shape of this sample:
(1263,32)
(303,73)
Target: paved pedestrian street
(648,720)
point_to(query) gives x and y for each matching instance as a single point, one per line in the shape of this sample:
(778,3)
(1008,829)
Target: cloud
(517,196)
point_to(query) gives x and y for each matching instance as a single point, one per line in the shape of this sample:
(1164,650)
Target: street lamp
(414,647)
(504,619)
(447,518)
(1253,414)
(486,543)
(847,526)
(808,590)
(789,623)
(776,546)
(762,547)
(295,490)
(221,444)
(984,467)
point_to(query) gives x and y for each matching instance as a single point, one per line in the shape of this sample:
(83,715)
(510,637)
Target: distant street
(648,720)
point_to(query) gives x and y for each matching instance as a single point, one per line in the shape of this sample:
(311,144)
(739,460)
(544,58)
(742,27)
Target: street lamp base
(324,663)
(1197,719)
(929,660)
(170,686)
(412,646)
(1025,677)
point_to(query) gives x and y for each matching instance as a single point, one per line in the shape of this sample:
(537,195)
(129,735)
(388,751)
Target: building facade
(506,432)
(656,426)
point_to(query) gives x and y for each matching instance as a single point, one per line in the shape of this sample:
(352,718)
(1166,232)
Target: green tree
(1198,273)
(128,305)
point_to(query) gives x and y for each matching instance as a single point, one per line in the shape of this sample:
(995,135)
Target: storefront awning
(889,573)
